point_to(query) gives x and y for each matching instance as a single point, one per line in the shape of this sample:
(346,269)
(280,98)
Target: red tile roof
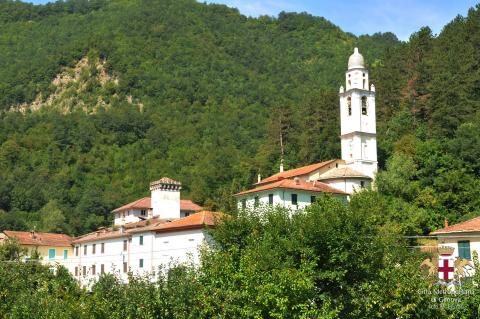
(146,203)
(188,205)
(295,172)
(107,233)
(40,239)
(293,184)
(194,221)
(142,203)
(468,226)
(342,172)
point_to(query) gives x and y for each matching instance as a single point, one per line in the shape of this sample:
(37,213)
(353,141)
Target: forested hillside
(115,94)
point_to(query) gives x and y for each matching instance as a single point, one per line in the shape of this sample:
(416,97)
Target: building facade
(52,249)
(148,234)
(298,188)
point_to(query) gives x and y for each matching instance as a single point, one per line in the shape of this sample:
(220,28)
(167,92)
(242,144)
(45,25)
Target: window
(141,240)
(270,199)
(94,248)
(294,199)
(244,204)
(51,253)
(349,105)
(464,249)
(257,201)
(125,267)
(363,84)
(102,269)
(65,254)
(140,264)
(94,269)
(102,248)
(76,271)
(84,271)
(362,184)
(76,250)
(143,212)
(364,105)
(313,199)
(125,245)
(85,250)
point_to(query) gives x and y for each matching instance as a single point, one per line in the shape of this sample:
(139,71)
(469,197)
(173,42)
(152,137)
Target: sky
(402,17)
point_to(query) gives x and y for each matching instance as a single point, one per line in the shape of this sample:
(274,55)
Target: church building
(299,187)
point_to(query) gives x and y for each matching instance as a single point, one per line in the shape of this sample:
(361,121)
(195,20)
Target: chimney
(445,223)
(32,234)
(297,181)
(165,195)
(259,178)
(122,229)
(281,165)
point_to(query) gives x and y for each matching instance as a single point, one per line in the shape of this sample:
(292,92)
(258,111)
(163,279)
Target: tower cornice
(358,133)
(365,92)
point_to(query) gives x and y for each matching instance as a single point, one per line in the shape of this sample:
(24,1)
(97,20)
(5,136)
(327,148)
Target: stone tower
(357,116)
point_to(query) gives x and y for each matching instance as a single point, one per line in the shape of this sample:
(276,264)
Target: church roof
(342,172)
(146,203)
(356,60)
(39,239)
(468,226)
(311,186)
(295,172)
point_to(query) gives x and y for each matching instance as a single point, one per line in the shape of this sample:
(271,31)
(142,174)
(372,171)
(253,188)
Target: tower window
(349,105)
(364,105)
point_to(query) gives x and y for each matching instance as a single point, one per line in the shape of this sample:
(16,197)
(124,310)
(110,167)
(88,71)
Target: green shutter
(65,254)
(141,240)
(141,263)
(464,249)
(51,253)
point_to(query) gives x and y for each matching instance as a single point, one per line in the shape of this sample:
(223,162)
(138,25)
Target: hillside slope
(217,89)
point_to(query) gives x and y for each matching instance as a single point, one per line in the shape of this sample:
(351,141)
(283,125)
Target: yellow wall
(43,251)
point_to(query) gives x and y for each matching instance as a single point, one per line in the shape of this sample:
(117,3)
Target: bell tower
(357,117)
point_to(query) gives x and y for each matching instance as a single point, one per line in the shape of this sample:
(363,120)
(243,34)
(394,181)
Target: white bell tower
(357,117)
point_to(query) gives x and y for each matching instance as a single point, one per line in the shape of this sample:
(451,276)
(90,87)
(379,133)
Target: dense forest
(98,98)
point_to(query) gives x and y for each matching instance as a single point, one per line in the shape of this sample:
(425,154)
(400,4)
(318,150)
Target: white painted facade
(131,216)
(140,253)
(452,240)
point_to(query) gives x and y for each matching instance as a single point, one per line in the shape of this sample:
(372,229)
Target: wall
(166,203)
(281,197)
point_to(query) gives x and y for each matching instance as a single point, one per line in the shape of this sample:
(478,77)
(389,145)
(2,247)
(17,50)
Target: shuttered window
(464,249)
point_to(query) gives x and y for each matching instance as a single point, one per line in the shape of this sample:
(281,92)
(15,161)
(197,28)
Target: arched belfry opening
(364,105)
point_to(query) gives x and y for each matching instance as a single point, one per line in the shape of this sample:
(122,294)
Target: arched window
(364,105)
(349,105)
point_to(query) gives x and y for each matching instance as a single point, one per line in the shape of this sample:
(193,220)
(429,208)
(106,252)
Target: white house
(147,234)
(464,237)
(299,187)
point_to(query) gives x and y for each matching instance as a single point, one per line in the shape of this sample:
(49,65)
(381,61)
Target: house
(299,187)
(52,248)
(464,237)
(147,234)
